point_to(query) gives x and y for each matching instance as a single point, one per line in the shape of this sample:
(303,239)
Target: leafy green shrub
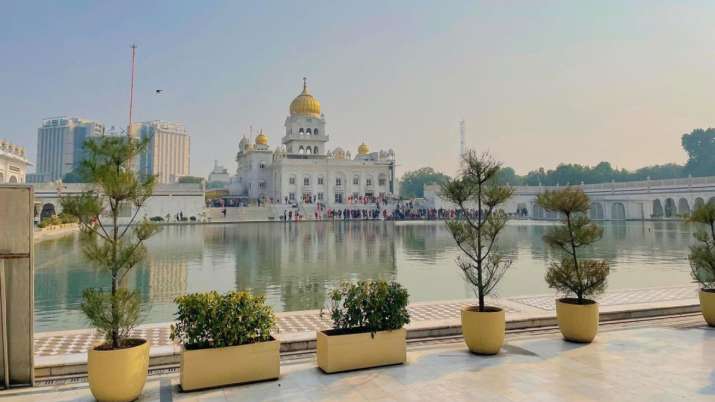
(702,254)
(53,220)
(213,320)
(369,306)
(67,218)
(573,274)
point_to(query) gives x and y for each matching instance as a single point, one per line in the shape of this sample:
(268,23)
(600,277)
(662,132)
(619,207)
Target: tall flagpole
(131,90)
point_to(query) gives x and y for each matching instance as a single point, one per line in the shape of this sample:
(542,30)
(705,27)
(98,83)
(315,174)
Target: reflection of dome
(305,103)
(363,149)
(262,139)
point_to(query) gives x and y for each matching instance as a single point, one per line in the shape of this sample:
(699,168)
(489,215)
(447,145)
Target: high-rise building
(60,145)
(167,155)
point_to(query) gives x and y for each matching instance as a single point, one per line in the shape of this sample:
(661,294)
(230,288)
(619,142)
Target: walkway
(429,319)
(661,360)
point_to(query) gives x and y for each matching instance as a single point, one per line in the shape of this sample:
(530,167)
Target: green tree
(413,182)
(702,254)
(114,186)
(700,146)
(507,175)
(482,264)
(572,274)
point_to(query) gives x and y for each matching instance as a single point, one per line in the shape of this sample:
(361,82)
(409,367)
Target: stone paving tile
(71,342)
(618,366)
(618,297)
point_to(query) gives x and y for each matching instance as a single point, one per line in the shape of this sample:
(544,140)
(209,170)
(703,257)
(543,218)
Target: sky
(537,82)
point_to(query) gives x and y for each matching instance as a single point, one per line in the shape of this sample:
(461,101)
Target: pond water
(296,264)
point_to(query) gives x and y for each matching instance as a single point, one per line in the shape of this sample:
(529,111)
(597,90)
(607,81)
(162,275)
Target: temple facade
(303,169)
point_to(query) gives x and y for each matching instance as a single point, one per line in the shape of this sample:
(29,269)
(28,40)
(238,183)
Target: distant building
(167,155)
(303,169)
(13,163)
(60,145)
(219,174)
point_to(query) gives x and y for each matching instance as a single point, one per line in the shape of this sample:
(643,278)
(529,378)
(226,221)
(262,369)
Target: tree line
(699,144)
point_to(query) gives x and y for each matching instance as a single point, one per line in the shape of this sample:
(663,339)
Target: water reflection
(295,265)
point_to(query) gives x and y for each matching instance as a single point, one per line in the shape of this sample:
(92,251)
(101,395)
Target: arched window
(13,179)
(381,179)
(356,180)
(306,180)
(301,150)
(307,131)
(315,131)
(315,149)
(300,131)
(2,178)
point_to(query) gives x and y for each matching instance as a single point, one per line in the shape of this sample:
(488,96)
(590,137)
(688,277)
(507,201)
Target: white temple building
(304,169)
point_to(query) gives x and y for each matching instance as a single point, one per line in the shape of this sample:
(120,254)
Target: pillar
(16,286)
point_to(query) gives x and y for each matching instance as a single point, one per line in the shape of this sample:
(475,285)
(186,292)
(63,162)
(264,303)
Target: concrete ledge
(76,364)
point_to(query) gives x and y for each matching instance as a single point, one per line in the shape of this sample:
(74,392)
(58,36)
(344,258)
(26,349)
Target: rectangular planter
(206,368)
(356,351)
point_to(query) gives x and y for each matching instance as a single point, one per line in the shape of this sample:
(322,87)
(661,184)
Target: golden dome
(305,103)
(262,139)
(363,149)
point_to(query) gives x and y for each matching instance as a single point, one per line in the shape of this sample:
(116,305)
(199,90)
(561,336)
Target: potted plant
(117,368)
(702,260)
(368,319)
(572,275)
(226,339)
(477,194)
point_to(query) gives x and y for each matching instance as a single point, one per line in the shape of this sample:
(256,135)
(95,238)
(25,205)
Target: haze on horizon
(538,83)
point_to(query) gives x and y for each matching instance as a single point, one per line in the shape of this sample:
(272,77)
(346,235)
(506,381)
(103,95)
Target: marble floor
(660,360)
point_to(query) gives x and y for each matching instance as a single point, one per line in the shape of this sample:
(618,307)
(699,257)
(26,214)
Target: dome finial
(305,85)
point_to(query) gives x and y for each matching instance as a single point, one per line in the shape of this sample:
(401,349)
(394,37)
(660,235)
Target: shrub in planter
(573,275)
(702,260)
(117,369)
(483,265)
(368,319)
(227,339)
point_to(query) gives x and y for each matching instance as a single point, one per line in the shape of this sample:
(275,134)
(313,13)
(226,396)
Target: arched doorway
(13,179)
(596,211)
(699,202)
(521,208)
(618,211)
(670,208)
(683,207)
(48,210)
(657,209)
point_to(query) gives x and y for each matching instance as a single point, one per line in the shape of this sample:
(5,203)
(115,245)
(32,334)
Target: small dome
(305,103)
(363,149)
(262,139)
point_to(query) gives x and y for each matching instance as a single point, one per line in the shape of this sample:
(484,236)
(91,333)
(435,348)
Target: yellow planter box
(356,351)
(577,322)
(207,368)
(483,331)
(118,375)
(707,305)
